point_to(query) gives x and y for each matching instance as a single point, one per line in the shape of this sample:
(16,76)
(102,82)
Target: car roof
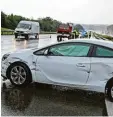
(105,43)
(29,22)
(100,42)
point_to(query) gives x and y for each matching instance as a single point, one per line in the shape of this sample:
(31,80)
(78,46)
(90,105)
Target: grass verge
(105,36)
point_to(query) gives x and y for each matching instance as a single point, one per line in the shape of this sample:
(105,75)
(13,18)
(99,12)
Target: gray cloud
(77,11)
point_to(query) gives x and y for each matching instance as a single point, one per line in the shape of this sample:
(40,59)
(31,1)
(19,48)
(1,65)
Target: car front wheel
(36,36)
(16,35)
(26,36)
(19,75)
(110,92)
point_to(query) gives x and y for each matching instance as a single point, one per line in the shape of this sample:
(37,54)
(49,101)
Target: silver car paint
(35,27)
(96,73)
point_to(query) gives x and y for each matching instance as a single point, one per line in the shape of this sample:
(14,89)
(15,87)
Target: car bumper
(21,34)
(4,78)
(4,66)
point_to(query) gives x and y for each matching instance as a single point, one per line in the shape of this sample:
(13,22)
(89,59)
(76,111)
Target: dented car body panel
(87,73)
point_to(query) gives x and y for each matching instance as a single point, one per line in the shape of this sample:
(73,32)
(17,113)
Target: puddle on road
(38,99)
(9,44)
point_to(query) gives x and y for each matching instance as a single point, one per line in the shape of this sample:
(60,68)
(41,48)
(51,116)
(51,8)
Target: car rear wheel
(19,75)
(110,92)
(58,39)
(26,36)
(36,36)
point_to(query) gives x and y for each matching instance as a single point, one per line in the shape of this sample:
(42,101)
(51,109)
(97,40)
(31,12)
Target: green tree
(11,21)
(3,19)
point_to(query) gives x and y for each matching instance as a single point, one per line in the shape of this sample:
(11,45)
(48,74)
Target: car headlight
(5,56)
(26,32)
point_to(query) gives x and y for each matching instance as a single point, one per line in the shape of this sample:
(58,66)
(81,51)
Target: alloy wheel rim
(18,75)
(112,92)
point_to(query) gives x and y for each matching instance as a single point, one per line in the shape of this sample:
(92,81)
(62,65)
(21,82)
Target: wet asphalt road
(45,100)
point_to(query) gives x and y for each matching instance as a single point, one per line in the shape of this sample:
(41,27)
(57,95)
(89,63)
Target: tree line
(11,21)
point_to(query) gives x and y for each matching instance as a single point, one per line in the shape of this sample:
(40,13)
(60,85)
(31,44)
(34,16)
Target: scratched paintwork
(93,77)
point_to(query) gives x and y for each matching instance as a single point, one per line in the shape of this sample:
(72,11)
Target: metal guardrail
(8,32)
(11,32)
(100,37)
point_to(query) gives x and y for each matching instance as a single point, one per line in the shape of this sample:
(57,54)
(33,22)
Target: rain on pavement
(45,100)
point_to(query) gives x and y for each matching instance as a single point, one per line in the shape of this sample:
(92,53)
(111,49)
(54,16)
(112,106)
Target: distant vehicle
(83,34)
(66,31)
(82,63)
(27,28)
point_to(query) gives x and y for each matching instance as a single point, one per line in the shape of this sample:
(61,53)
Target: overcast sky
(76,11)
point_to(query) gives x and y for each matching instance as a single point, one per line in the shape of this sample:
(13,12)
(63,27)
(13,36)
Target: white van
(27,28)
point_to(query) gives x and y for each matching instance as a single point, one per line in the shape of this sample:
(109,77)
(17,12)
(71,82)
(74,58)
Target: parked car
(82,63)
(27,28)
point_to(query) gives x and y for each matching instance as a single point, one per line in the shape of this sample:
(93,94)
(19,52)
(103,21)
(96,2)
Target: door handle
(80,65)
(34,62)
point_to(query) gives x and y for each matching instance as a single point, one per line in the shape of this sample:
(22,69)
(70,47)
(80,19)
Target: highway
(44,100)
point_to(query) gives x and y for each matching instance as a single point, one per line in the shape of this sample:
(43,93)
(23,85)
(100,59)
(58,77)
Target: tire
(26,36)
(36,36)
(110,92)
(58,38)
(19,74)
(16,35)
(72,36)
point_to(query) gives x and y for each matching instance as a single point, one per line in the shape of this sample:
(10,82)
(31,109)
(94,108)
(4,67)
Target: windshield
(64,26)
(25,26)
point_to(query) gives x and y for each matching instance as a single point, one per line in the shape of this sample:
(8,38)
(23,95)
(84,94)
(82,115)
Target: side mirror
(46,52)
(29,27)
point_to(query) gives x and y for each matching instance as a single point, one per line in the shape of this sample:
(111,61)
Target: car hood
(23,50)
(21,29)
(22,53)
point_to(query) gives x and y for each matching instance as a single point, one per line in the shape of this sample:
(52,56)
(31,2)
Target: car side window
(73,50)
(104,52)
(40,52)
